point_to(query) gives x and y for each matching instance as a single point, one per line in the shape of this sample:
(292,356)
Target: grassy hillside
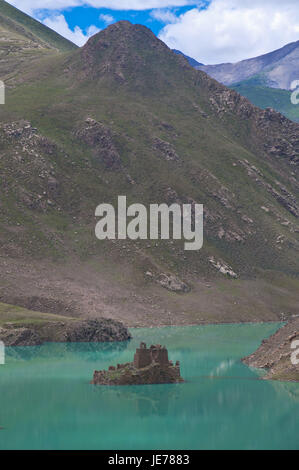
(23,42)
(127,116)
(22,316)
(266,97)
(24,24)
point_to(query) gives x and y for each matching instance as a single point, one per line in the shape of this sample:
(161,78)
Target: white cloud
(92,30)
(165,16)
(226,31)
(30,5)
(232,30)
(59,24)
(108,19)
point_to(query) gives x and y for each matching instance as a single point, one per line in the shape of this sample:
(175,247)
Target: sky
(210,31)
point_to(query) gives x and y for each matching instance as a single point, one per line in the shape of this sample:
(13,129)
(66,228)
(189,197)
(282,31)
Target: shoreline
(264,358)
(210,324)
(70,331)
(29,335)
(275,354)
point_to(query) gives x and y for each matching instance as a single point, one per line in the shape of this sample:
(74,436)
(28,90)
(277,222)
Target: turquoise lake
(48,403)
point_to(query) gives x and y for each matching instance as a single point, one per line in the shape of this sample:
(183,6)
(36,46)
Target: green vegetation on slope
(34,27)
(125,115)
(266,97)
(22,316)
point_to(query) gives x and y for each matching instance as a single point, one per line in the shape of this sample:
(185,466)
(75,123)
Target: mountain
(25,40)
(265,80)
(266,97)
(124,115)
(191,61)
(277,69)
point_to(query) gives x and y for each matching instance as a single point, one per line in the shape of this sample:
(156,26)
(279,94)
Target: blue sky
(211,31)
(86,16)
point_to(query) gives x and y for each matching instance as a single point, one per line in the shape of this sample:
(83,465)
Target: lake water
(48,403)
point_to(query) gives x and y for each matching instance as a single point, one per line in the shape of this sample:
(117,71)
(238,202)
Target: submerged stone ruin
(150,366)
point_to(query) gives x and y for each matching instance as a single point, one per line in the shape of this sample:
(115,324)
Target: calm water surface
(48,403)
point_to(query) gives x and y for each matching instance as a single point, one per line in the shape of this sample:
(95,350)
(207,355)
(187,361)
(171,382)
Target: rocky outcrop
(173,283)
(150,366)
(22,336)
(169,282)
(275,354)
(165,150)
(223,267)
(281,195)
(75,331)
(30,159)
(27,137)
(276,134)
(99,138)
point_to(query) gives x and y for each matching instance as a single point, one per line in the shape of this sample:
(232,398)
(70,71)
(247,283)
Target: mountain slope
(32,29)
(191,61)
(276,69)
(265,80)
(24,40)
(266,97)
(125,115)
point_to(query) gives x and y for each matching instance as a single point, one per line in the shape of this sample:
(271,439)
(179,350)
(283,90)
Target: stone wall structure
(150,366)
(156,353)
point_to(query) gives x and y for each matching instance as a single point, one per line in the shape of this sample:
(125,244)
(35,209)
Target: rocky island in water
(150,366)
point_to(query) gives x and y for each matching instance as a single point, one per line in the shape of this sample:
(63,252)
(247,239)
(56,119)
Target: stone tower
(156,353)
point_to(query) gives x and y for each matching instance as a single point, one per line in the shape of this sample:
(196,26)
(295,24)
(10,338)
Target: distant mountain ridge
(265,80)
(277,69)
(191,61)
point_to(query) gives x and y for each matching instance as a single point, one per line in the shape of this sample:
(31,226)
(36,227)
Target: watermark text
(2,353)
(295,353)
(2,92)
(295,94)
(164,222)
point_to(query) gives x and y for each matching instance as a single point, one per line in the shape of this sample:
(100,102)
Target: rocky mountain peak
(126,51)
(120,34)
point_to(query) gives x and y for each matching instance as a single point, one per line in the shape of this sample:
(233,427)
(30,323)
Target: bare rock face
(85,331)
(150,366)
